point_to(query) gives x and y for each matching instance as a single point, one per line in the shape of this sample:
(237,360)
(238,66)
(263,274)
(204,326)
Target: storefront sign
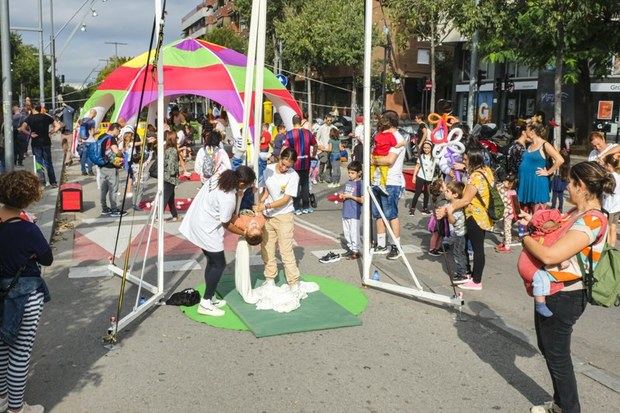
(605,109)
(605,87)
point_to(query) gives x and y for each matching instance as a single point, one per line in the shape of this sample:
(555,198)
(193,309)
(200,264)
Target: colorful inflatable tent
(191,67)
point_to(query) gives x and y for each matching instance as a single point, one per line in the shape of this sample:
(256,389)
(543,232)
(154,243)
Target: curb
(605,378)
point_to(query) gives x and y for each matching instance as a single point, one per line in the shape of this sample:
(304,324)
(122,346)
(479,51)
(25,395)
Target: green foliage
(532,31)
(113,63)
(25,69)
(321,34)
(227,37)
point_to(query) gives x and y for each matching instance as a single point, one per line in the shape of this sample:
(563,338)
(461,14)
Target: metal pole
(366,206)
(309,90)
(258,90)
(53,40)
(473,77)
(249,77)
(160,156)
(41,70)
(7,93)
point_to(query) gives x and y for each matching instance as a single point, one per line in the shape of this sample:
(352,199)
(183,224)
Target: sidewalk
(45,209)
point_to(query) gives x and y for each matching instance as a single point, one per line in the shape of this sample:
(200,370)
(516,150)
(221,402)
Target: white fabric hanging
(280,299)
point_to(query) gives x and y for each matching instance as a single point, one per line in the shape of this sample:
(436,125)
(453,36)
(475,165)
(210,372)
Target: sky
(128,21)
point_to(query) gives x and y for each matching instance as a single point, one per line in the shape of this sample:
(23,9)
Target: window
(424,57)
(615,65)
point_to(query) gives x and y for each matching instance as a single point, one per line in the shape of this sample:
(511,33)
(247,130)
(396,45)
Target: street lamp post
(53,40)
(7,94)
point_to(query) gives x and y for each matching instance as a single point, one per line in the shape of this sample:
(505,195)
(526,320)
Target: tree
(423,20)
(25,68)
(227,37)
(577,38)
(113,63)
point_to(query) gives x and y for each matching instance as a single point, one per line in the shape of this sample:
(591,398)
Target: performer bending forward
(211,212)
(276,203)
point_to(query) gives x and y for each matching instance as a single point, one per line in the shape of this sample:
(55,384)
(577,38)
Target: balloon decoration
(442,124)
(450,152)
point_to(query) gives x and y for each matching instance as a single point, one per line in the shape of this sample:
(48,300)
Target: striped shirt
(302,141)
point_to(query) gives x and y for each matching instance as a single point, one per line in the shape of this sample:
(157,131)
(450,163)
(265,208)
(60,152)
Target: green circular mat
(347,295)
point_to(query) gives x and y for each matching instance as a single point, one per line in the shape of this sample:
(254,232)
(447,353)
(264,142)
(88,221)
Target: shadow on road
(501,358)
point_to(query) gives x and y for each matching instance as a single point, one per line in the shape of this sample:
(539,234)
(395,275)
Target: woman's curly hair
(18,189)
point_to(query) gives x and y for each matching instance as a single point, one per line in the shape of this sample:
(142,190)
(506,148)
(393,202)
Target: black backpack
(187,298)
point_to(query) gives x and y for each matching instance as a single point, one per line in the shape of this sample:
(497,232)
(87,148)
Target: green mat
(334,306)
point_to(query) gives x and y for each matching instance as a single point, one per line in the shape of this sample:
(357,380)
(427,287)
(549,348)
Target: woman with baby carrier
(584,239)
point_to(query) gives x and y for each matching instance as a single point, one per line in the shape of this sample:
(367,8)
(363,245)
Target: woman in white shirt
(423,174)
(217,160)
(276,203)
(611,202)
(209,215)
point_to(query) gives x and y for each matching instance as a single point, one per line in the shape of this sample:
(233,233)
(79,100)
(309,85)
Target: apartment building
(208,15)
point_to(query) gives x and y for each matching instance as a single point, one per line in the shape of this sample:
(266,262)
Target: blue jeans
(43,155)
(389,203)
(87,167)
(335,162)
(262,165)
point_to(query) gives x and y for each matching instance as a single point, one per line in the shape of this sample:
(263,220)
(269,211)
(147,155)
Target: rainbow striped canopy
(191,67)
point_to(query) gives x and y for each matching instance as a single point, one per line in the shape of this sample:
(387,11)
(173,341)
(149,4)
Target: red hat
(359,119)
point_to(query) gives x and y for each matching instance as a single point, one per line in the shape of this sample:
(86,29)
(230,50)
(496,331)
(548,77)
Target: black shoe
(411,212)
(394,253)
(380,250)
(84,173)
(118,213)
(106,211)
(460,279)
(347,254)
(425,211)
(329,257)
(91,173)
(434,252)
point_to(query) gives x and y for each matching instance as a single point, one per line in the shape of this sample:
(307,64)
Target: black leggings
(475,235)
(421,187)
(169,199)
(216,262)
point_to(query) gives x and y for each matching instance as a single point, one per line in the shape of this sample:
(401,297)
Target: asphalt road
(407,356)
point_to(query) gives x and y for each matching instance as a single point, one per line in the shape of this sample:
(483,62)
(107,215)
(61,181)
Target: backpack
(97,150)
(603,284)
(209,164)
(187,298)
(83,131)
(495,209)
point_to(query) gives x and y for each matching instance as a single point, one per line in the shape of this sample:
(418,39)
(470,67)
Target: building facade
(208,15)
(533,90)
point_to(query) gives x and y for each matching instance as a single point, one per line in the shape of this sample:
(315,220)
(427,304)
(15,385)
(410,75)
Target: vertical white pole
(366,205)
(249,74)
(160,152)
(53,50)
(41,70)
(309,91)
(258,90)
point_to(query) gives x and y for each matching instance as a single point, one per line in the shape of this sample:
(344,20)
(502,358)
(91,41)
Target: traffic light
(498,84)
(481,74)
(62,79)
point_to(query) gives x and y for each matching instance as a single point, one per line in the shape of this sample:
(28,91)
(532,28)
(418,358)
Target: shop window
(424,57)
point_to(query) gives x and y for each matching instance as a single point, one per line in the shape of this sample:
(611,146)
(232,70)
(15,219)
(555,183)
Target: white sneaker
(211,310)
(36,408)
(547,407)
(218,303)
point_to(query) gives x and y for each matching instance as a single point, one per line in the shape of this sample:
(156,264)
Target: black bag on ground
(188,297)
(313,202)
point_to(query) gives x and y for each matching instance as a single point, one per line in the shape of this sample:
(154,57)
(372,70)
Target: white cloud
(128,21)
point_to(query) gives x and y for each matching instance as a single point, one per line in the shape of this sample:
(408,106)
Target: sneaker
(461,279)
(503,248)
(129,194)
(354,256)
(380,250)
(471,285)
(307,211)
(394,253)
(211,310)
(434,252)
(106,211)
(217,302)
(548,407)
(347,254)
(411,212)
(298,212)
(329,258)
(425,211)
(118,213)
(333,185)
(84,173)
(35,408)
(51,186)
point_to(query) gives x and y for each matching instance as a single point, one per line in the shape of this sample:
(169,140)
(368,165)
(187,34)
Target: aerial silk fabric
(277,298)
